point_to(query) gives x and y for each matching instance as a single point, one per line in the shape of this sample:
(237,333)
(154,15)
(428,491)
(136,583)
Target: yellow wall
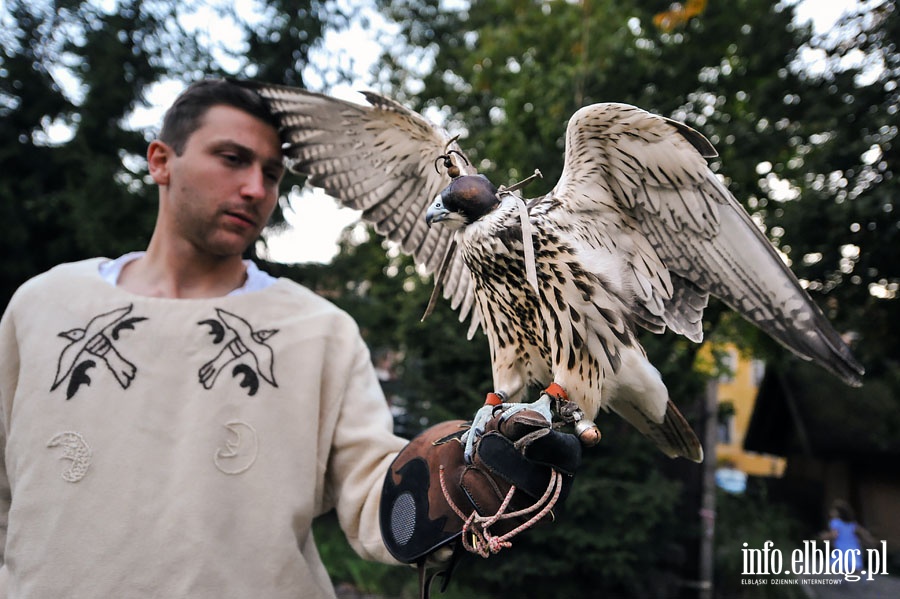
(739,388)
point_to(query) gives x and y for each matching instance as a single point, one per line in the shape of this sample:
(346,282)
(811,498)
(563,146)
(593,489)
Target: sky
(316,220)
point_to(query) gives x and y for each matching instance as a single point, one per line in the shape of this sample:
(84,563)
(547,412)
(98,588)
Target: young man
(173,420)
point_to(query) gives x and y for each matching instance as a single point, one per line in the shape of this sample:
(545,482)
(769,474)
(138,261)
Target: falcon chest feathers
(637,233)
(571,328)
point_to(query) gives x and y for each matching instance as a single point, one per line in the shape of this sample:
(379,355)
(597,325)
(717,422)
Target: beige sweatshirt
(181,448)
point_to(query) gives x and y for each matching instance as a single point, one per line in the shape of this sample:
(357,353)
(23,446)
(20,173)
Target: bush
(752,519)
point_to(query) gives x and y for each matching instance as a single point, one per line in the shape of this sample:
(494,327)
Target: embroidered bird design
(97,341)
(637,233)
(245,344)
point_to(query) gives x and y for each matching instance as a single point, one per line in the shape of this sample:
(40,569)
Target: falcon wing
(378,159)
(644,179)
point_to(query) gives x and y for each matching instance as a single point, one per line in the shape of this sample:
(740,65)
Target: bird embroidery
(637,233)
(246,346)
(96,342)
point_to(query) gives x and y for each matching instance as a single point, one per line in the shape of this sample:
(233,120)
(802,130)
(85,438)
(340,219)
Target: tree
(845,162)
(76,67)
(64,200)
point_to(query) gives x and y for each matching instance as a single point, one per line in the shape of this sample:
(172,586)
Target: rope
(476,534)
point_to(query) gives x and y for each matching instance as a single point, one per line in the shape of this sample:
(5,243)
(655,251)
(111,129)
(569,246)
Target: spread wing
(379,159)
(643,183)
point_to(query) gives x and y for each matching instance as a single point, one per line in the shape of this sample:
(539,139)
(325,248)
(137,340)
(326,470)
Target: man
(174,419)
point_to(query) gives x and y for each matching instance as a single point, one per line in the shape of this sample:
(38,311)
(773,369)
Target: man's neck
(172,275)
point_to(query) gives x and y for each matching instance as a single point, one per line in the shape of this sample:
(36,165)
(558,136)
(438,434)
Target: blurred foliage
(752,519)
(65,201)
(343,565)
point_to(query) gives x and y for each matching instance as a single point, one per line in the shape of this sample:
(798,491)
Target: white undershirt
(256,279)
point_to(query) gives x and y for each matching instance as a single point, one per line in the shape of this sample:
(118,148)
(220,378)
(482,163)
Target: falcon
(637,234)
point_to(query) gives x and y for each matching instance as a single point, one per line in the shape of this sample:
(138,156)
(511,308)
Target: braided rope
(476,534)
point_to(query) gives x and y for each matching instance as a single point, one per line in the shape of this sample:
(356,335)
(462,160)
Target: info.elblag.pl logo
(813,559)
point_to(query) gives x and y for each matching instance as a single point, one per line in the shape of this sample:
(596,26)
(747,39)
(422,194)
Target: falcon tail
(673,436)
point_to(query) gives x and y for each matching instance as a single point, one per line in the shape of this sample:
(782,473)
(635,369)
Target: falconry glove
(434,504)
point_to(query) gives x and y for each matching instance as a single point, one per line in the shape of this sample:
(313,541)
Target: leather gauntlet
(520,473)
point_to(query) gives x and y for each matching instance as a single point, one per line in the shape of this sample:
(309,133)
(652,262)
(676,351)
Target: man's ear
(158,156)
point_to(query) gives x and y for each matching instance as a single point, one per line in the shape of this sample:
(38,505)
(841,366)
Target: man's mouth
(241,216)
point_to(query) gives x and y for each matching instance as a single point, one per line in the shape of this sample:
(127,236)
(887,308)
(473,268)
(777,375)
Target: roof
(801,409)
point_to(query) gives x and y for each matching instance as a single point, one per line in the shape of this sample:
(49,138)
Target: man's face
(222,190)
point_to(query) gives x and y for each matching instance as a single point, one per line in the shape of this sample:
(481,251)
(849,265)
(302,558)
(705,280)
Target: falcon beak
(436,212)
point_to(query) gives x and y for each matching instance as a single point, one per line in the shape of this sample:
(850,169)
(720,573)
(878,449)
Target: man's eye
(232,159)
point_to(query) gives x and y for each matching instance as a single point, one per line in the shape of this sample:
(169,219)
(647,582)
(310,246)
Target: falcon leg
(585,428)
(553,398)
(494,403)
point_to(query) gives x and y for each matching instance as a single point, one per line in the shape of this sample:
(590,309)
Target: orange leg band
(493,399)
(556,391)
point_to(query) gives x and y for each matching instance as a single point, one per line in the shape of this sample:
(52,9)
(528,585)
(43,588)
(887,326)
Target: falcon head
(464,201)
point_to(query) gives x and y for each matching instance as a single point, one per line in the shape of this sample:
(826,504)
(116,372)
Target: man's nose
(254,184)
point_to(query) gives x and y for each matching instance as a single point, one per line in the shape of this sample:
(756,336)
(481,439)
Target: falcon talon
(468,439)
(541,406)
(568,411)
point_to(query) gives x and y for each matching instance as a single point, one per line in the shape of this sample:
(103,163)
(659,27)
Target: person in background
(846,534)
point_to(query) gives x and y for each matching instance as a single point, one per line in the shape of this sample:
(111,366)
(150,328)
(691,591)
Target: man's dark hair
(186,114)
